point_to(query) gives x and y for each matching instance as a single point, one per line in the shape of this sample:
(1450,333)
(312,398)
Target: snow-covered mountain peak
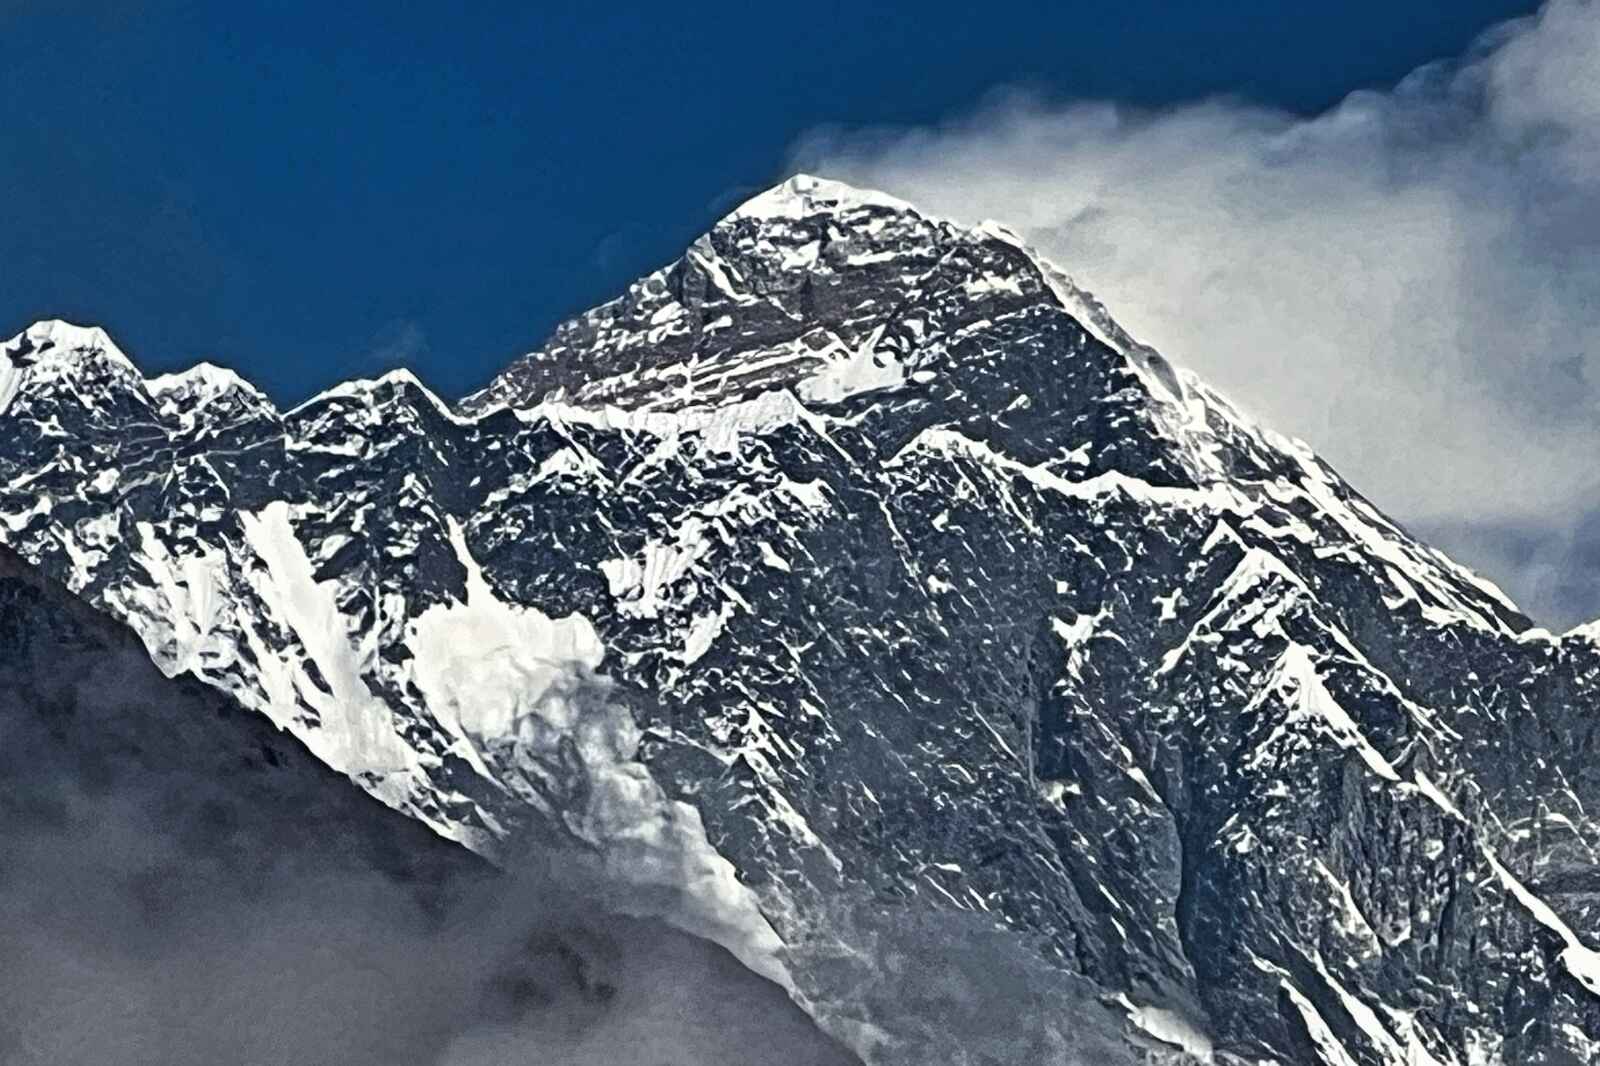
(204,379)
(59,380)
(398,385)
(857,578)
(207,395)
(52,364)
(807,194)
(813,286)
(56,338)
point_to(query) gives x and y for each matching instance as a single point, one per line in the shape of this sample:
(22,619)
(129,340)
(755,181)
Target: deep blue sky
(310,192)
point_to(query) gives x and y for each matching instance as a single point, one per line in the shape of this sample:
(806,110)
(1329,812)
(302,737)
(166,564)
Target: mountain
(186,883)
(855,592)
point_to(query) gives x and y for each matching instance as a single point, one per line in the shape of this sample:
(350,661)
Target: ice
(1077,634)
(1380,540)
(988,283)
(1412,1053)
(1352,923)
(702,255)
(491,670)
(1426,786)
(770,557)
(939,440)
(721,426)
(1255,568)
(1085,309)
(203,381)
(43,505)
(55,339)
(641,584)
(703,633)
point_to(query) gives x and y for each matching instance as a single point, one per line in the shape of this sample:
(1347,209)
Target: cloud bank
(1411,281)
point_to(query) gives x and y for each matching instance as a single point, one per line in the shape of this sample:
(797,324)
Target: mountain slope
(185,883)
(858,594)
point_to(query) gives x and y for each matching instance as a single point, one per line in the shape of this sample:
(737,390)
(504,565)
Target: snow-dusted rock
(860,593)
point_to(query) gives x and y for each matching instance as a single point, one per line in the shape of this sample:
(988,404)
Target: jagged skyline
(855,593)
(313,195)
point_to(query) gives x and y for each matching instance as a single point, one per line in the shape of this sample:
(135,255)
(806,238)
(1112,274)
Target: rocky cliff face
(856,592)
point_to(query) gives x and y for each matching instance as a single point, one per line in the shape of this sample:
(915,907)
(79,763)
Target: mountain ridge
(905,614)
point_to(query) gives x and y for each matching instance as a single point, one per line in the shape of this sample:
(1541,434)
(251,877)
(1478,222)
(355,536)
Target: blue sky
(309,192)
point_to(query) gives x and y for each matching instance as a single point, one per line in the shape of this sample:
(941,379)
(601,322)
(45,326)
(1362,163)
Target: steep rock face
(856,591)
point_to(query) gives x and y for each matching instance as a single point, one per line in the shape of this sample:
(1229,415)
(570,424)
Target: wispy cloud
(1410,281)
(399,343)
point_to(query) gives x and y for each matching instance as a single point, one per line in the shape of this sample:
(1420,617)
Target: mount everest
(854,593)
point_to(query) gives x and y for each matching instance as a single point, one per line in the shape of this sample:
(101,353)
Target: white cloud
(398,343)
(1410,281)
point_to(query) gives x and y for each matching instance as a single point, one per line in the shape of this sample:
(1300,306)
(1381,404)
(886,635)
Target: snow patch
(1581,961)
(1296,677)
(365,390)
(12,375)
(1328,1047)
(805,194)
(1169,1027)
(187,600)
(491,671)
(865,368)
(357,732)
(482,664)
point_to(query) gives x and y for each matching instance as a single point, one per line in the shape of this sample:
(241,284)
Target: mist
(1408,281)
(181,883)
